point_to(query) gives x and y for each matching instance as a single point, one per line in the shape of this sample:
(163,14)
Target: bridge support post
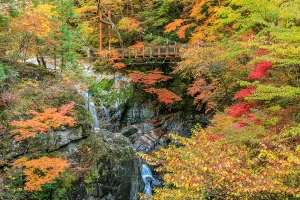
(101,24)
(158,51)
(109,31)
(167,51)
(100,32)
(151,52)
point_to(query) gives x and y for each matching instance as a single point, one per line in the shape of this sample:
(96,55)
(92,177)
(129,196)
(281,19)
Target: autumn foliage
(149,78)
(173,25)
(260,70)
(197,16)
(6,98)
(208,165)
(42,122)
(239,109)
(40,171)
(202,93)
(244,93)
(164,95)
(181,30)
(36,22)
(215,137)
(119,65)
(113,58)
(130,24)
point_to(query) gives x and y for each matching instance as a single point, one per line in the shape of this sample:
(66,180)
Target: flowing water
(90,105)
(146,172)
(106,112)
(147,178)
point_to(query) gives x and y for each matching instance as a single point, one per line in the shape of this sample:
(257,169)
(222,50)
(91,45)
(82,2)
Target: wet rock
(145,137)
(129,131)
(139,113)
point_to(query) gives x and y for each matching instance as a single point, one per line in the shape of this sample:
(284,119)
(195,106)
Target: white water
(147,178)
(106,112)
(90,105)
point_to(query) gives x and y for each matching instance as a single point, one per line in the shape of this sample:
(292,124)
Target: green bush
(103,66)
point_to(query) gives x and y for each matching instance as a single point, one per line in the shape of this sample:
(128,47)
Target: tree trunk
(44,62)
(54,59)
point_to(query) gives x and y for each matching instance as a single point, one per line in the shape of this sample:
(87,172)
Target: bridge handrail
(155,50)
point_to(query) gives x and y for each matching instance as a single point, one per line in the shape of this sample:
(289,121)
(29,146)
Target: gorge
(149,100)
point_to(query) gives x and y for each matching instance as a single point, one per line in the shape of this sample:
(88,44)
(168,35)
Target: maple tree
(197,16)
(246,82)
(119,65)
(129,24)
(202,92)
(208,165)
(149,78)
(260,71)
(112,57)
(44,30)
(164,95)
(42,122)
(251,150)
(40,171)
(244,93)
(34,27)
(239,109)
(36,21)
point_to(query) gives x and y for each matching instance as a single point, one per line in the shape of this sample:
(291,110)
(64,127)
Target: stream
(146,172)
(90,106)
(147,178)
(143,171)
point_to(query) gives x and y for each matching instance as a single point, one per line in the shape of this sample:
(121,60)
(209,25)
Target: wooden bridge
(155,51)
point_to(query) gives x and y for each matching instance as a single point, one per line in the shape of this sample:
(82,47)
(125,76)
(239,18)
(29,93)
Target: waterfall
(106,112)
(90,105)
(147,178)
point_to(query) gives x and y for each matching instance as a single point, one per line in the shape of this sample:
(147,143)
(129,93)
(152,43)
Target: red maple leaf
(260,70)
(244,93)
(239,109)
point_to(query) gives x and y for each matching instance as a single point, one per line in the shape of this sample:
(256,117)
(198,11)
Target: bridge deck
(154,51)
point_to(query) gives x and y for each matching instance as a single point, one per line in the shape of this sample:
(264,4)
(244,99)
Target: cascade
(147,178)
(90,105)
(106,112)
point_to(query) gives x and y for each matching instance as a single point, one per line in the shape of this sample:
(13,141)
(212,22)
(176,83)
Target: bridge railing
(153,51)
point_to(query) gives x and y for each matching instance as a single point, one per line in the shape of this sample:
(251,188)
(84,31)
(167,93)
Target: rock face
(138,113)
(114,169)
(145,136)
(123,109)
(47,142)
(155,133)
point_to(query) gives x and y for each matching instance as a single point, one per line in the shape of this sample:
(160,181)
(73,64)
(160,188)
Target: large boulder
(113,169)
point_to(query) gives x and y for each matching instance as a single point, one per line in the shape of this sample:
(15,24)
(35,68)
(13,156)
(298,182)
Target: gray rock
(51,141)
(115,161)
(139,113)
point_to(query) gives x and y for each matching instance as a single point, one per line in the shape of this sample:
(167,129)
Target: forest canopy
(236,63)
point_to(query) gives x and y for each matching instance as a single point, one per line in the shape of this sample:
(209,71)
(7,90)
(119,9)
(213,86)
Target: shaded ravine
(126,180)
(146,172)
(135,121)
